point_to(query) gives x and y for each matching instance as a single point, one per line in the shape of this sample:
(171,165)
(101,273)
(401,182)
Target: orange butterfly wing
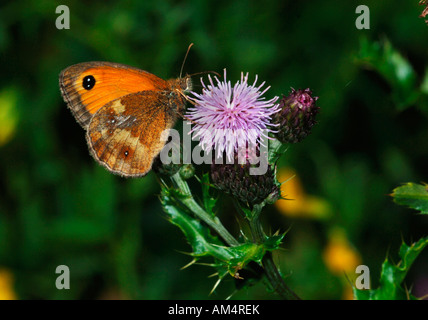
(111,81)
(126,138)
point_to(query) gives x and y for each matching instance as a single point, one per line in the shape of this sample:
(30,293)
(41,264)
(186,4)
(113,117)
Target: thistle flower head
(235,179)
(227,117)
(297,116)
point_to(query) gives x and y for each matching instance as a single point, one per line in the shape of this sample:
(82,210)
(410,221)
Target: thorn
(188,265)
(215,285)
(186,253)
(230,296)
(423,297)
(407,292)
(207,264)
(293,176)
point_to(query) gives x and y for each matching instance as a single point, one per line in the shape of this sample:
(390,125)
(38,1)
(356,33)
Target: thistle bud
(165,169)
(187,171)
(236,180)
(297,116)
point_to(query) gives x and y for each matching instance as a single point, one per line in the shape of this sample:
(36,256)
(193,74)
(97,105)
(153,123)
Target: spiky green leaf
(197,234)
(412,195)
(392,275)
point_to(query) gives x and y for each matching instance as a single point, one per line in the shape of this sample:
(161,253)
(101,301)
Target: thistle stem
(272,273)
(276,149)
(276,280)
(193,206)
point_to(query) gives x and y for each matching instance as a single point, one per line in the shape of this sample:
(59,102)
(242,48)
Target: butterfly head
(181,85)
(185,84)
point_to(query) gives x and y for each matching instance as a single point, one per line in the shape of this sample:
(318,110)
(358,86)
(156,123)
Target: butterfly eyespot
(126,153)
(88,82)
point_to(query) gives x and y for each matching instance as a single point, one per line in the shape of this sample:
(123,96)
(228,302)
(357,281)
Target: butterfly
(124,111)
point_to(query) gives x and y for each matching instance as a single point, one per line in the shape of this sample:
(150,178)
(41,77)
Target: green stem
(276,149)
(272,273)
(193,206)
(275,278)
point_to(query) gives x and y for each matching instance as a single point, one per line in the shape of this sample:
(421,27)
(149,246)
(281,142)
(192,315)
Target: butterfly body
(124,111)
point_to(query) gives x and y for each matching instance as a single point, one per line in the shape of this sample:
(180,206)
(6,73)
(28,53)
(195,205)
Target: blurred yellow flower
(6,285)
(339,255)
(341,258)
(298,203)
(348,293)
(8,114)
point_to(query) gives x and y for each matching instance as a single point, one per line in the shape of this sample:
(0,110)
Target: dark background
(59,207)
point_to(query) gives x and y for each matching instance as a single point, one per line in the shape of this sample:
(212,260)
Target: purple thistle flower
(228,118)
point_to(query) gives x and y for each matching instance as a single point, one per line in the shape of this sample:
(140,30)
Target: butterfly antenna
(185,57)
(204,72)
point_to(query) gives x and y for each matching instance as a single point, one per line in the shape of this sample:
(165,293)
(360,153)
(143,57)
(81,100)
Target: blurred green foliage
(58,207)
